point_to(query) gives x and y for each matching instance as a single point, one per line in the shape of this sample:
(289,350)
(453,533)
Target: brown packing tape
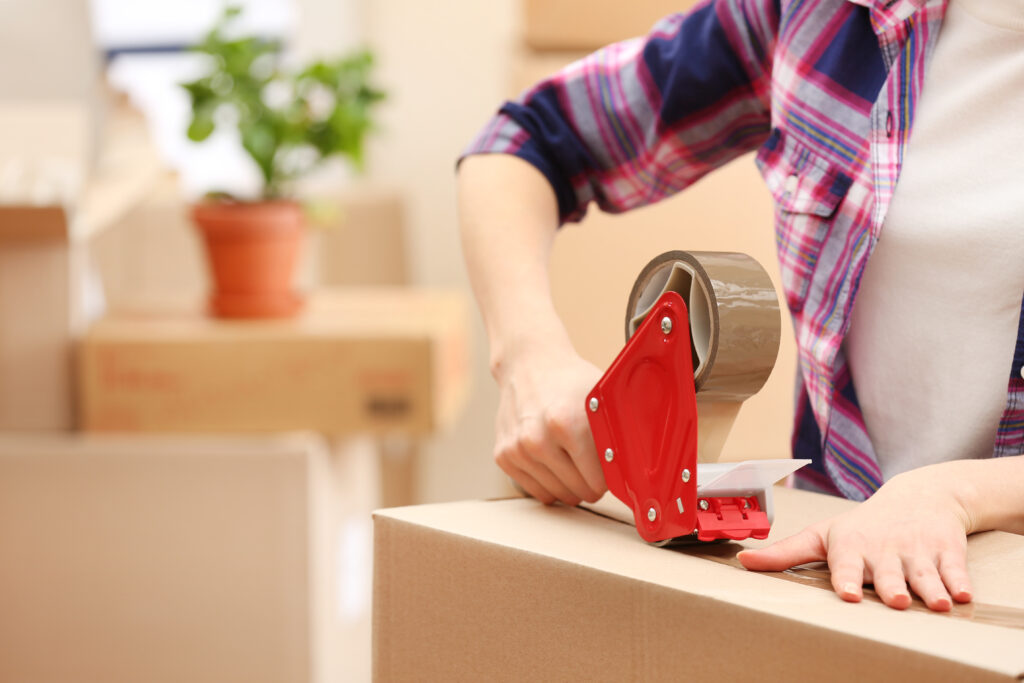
(735,327)
(817,575)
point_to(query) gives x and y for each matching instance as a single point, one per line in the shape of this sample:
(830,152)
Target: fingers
(542,429)
(540,473)
(953,570)
(806,546)
(528,484)
(548,458)
(923,577)
(537,447)
(572,433)
(889,580)
(847,565)
(895,575)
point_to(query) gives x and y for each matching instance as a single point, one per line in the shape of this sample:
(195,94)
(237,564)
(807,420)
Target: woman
(906,296)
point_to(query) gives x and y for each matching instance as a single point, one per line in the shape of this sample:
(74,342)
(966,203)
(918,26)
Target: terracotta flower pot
(253,249)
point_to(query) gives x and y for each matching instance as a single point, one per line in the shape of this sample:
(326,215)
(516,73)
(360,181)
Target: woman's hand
(912,532)
(508,214)
(543,438)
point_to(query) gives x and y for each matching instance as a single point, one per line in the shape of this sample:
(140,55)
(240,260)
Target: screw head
(686,476)
(703,504)
(652,514)
(609,454)
(666,325)
(593,405)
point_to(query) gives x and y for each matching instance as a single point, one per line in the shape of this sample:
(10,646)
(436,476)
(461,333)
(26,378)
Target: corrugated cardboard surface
(182,559)
(512,590)
(588,25)
(356,360)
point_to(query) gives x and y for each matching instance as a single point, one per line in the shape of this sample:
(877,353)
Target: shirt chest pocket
(807,191)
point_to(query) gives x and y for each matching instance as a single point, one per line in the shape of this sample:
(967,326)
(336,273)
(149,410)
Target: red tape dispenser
(702,335)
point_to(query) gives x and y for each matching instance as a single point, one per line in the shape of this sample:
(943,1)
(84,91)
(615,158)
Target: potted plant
(289,122)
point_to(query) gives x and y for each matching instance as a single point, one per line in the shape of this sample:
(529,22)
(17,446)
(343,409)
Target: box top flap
(383,313)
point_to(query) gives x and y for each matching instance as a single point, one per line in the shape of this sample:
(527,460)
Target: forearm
(508,217)
(991,492)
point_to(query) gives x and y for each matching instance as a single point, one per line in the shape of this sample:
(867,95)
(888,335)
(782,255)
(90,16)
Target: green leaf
(329,112)
(202,125)
(259,141)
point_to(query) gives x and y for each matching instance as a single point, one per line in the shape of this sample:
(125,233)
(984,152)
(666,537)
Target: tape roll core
(735,320)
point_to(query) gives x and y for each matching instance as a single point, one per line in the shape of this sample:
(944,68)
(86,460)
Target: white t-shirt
(935,321)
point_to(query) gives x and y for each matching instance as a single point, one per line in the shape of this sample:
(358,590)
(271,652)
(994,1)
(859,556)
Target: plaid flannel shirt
(825,91)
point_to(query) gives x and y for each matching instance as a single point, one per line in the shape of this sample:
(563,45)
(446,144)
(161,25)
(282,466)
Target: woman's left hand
(912,532)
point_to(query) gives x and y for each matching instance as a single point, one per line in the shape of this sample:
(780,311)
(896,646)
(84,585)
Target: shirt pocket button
(791,184)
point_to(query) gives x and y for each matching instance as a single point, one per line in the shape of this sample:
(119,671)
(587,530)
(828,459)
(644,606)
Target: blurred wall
(446,67)
(326,27)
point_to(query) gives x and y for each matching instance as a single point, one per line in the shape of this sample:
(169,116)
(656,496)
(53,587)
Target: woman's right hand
(508,214)
(543,439)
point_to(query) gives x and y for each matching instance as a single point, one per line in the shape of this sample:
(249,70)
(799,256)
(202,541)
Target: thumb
(806,546)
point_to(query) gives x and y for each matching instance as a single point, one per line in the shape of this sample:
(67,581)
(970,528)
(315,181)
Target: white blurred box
(184,559)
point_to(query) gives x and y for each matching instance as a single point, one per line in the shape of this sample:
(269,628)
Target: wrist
(526,349)
(985,492)
(946,486)
(990,491)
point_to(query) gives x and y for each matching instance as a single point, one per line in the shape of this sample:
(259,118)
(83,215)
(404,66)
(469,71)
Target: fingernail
(850,588)
(964,593)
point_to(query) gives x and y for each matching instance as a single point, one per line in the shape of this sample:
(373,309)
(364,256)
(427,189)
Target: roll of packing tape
(735,325)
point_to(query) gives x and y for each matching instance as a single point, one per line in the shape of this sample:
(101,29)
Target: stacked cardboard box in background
(200,559)
(63,179)
(35,319)
(49,215)
(354,361)
(554,25)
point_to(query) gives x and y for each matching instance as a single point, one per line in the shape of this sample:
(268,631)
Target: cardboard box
(588,25)
(36,310)
(355,360)
(165,559)
(363,241)
(513,590)
(47,288)
(594,265)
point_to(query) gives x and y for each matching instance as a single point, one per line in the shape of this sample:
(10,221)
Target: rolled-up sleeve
(640,120)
